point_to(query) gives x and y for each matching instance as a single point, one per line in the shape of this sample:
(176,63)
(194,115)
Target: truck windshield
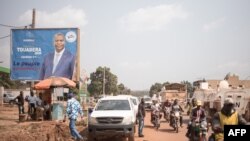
(113,105)
(147,99)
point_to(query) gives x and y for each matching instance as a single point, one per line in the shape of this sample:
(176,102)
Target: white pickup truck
(8,98)
(113,116)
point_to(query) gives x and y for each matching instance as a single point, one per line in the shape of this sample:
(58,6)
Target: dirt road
(12,130)
(164,133)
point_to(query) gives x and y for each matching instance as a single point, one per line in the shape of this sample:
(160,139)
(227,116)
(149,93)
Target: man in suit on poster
(60,63)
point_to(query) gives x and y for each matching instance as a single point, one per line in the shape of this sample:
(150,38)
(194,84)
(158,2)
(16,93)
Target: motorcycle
(167,113)
(175,120)
(198,132)
(156,119)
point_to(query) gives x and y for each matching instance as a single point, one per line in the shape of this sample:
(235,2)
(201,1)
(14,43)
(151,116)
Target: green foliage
(122,89)
(95,88)
(10,84)
(165,83)
(154,89)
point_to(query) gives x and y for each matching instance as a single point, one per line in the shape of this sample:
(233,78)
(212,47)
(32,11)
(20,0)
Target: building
(174,91)
(232,79)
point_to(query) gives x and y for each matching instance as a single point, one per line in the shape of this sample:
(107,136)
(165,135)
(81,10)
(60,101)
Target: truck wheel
(131,137)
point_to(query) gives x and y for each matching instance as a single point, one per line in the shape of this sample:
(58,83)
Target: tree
(122,89)
(165,83)
(95,88)
(154,89)
(7,83)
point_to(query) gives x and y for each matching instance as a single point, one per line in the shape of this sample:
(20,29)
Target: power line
(5,36)
(6,25)
(11,26)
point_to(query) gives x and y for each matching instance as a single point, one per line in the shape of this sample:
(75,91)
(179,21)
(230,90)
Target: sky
(145,41)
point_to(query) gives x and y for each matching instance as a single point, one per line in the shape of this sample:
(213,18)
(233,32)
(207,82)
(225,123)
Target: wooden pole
(32,27)
(33,19)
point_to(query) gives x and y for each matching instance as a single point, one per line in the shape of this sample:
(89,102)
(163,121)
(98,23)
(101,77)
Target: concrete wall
(16,92)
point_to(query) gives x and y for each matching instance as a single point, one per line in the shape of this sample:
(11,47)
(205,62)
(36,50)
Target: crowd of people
(37,107)
(197,114)
(226,116)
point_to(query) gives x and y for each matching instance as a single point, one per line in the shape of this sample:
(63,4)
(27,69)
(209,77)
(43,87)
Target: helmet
(228,101)
(199,103)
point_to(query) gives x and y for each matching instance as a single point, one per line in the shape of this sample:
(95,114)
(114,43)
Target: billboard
(37,54)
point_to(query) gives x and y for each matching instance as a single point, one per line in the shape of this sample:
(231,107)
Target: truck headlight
(128,120)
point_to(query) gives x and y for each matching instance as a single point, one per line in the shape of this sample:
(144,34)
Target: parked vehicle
(214,99)
(8,98)
(112,116)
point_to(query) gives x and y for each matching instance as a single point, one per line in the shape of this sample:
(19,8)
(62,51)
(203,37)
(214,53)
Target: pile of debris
(42,131)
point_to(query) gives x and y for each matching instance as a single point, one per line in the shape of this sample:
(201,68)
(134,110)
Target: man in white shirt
(32,103)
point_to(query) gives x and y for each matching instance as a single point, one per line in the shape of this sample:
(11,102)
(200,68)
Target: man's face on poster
(59,43)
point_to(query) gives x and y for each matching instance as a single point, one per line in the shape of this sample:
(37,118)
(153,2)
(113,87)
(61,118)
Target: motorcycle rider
(154,108)
(176,108)
(166,104)
(227,116)
(191,106)
(197,115)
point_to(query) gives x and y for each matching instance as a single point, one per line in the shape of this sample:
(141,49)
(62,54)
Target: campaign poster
(37,54)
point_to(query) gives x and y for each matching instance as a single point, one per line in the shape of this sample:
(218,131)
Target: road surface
(164,133)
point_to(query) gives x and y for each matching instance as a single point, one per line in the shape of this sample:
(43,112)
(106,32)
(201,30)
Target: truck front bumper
(103,131)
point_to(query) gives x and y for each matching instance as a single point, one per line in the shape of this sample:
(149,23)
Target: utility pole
(33,18)
(32,27)
(103,87)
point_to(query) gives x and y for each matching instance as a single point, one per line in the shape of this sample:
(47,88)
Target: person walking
(141,116)
(20,103)
(73,109)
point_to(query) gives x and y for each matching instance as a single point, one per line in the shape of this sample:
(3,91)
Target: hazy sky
(146,41)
